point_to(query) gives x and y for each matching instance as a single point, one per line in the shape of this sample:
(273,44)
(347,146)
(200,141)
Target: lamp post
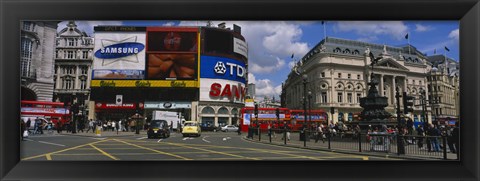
(310,111)
(424,106)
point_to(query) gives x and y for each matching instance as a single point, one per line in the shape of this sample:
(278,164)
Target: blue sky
(271,43)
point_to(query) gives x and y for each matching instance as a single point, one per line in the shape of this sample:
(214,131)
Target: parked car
(207,127)
(191,128)
(158,128)
(228,128)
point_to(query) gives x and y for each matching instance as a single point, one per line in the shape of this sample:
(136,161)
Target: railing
(421,147)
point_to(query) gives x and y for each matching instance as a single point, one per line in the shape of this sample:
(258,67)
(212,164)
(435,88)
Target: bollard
(98,132)
(270,135)
(259,134)
(285,136)
(359,142)
(329,136)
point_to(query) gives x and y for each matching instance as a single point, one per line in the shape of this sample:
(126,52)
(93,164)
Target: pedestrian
(456,138)
(109,125)
(421,136)
(90,125)
(450,139)
(434,133)
(27,126)
(114,126)
(81,125)
(59,126)
(22,129)
(39,125)
(239,130)
(287,129)
(269,127)
(35,125)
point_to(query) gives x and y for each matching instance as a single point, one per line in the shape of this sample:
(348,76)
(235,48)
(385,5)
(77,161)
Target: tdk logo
(220,68)
(119,50)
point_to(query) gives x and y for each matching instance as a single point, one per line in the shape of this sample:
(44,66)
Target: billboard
(119,52)
(223,68)
(222,90)
(172,53)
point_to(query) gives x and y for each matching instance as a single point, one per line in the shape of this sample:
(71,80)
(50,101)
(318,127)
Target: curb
(347,152)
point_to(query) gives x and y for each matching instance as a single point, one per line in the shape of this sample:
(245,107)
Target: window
(349,76)
(340,97)
(208,110)
(70,54)
(358,77)
(27,25)
(323,74)
(337,50)
(324,97)
(420,83)
(339,75)
(84,54)
(83,84)
(359,95)
(71,42)
(413,81)
(84,70)
(26,57)
(349,97)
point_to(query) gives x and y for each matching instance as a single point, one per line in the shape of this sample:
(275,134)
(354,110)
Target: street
(128,146)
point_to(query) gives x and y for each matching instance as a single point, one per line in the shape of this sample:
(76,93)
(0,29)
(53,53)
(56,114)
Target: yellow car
(191,128)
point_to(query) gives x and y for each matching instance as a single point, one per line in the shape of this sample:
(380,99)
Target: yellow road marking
(211,151)
(49,157)
(161,152)
(365,158)
(103,152)
(60,151)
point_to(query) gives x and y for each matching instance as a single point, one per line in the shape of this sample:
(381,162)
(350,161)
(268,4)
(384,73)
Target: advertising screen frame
(467,11)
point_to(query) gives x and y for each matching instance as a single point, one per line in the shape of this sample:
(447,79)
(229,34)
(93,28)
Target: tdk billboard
(222,68)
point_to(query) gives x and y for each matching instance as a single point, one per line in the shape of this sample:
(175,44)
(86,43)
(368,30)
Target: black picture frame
(12,12)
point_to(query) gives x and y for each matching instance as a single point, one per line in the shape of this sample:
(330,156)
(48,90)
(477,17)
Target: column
(381,85)
(405,84)
(215,122)
(58,86)
(76,85)
(89,76)
(394,86)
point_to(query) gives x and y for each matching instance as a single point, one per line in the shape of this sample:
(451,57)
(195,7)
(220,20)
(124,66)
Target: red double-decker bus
(265,116)
(54,111)
(316,117)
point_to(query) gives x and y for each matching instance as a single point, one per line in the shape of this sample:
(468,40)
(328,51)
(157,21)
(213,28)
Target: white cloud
(273,42)
(453,41)
(87,26)
(264,87)
(422,28)
(455,34)
(371,29)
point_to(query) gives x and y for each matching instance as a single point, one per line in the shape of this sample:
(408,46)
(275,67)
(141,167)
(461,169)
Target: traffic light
(256,110)
(407,103)
(277,112)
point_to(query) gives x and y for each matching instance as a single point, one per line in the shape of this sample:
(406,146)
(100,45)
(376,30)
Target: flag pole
(408,39)
(324,31)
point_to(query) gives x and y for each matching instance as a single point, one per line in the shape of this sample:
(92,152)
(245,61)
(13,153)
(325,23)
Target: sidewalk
(350,146)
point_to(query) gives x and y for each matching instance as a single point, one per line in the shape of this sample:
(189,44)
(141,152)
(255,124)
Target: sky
(271,43)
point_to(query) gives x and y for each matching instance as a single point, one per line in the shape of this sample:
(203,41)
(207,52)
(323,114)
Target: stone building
(73,61)
(37,59)
(443,81)
(338,71)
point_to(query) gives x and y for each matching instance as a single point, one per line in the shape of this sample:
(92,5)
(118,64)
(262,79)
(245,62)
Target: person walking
(90,126)
(28,124)
(456,138)
(239,130)
(22,129)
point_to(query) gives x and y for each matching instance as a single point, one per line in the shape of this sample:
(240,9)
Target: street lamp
(310,110)
(424,106)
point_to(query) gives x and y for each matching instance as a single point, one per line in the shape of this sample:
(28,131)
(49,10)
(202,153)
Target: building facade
(443,81)
(338,71)
(198,72)
(37,59)
(73,62)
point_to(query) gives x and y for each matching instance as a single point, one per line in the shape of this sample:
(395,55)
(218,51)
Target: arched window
(208,110)
(356,52)
(346,51)
(223,110)
(337,50)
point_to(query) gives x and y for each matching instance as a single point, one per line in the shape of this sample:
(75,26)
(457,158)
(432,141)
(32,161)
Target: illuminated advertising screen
(119,53)
(172,53)
(223,68)
(222,90)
